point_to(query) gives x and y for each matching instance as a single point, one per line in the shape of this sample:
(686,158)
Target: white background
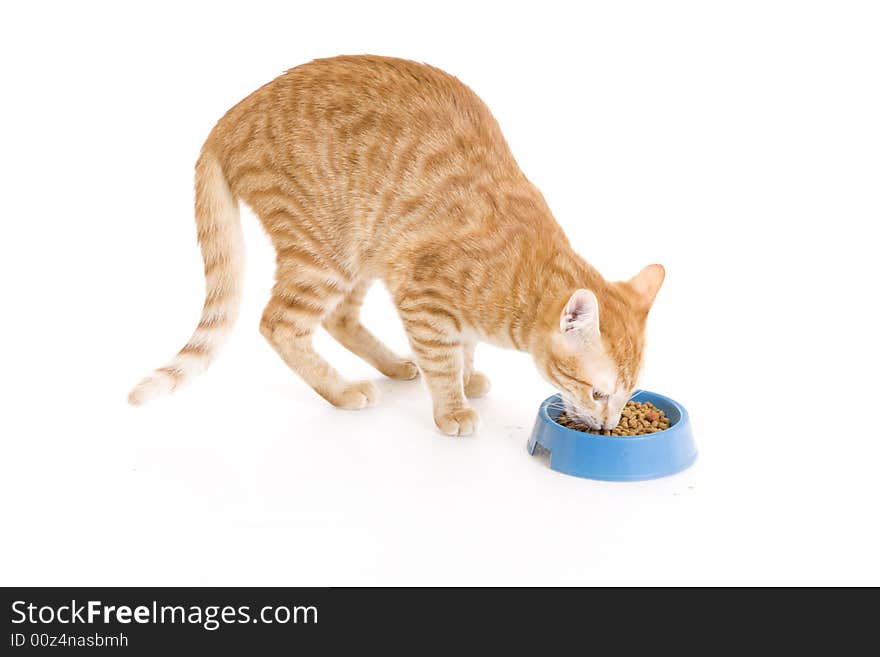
(736,143)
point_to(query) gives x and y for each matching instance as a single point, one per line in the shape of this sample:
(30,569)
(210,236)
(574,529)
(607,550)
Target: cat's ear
(646,284)
(581,314)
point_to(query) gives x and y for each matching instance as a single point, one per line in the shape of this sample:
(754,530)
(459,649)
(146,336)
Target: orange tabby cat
(365,168)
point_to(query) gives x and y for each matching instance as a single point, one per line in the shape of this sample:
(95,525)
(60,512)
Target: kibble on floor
(636,419)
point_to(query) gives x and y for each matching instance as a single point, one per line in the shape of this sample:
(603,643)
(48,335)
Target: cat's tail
(220,237)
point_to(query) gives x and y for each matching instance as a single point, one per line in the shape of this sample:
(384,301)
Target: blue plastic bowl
(617,458)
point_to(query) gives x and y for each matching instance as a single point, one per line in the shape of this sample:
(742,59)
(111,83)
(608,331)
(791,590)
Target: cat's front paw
(477,385)
(353,396)
(462,422)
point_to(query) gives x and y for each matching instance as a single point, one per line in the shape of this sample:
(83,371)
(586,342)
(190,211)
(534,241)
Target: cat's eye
(599,395)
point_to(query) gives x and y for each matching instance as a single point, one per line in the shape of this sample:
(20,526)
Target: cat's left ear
(646,284)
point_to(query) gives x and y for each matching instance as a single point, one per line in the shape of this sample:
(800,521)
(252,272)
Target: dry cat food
(637,418)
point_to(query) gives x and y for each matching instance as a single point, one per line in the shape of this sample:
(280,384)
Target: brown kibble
(637,419)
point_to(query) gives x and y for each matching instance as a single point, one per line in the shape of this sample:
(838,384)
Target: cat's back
(360,99)
(380,82)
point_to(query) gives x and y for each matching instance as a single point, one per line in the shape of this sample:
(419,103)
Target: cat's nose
(611,422)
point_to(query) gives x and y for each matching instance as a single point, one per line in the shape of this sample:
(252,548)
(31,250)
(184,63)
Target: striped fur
(220,238)
(366,168)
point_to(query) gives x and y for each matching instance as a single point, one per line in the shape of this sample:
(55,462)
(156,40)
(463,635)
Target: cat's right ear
(581,314)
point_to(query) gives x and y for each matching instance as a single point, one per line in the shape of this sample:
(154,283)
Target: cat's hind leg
(300,300)
(476,384)
(344,324)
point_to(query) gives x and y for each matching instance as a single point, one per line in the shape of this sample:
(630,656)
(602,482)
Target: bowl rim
(684,419)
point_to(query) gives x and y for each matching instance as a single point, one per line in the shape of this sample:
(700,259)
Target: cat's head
(594,354)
